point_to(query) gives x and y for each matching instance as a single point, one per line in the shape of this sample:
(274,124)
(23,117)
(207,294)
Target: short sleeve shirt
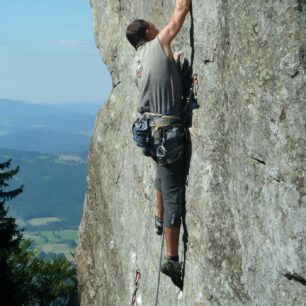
(158,80)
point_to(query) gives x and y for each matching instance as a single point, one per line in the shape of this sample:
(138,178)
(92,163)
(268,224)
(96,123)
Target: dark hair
(136,32)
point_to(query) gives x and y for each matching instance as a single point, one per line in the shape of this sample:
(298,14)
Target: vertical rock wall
(246,197)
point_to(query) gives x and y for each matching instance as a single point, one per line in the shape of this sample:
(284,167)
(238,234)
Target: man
(158,80)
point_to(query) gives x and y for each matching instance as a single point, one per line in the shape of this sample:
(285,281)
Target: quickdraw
(193,93)
(137,278)
(195,86)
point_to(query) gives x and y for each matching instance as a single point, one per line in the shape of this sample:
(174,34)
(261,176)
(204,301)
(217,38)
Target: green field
(58,248)
(61,241)
(43,221)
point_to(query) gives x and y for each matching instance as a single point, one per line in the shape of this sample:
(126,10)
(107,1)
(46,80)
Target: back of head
(136,32)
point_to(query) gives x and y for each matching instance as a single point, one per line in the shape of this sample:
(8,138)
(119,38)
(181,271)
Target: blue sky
(48,53)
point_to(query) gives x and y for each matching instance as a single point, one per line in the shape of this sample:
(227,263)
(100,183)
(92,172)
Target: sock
(158,221)
(173,258)
(175,261)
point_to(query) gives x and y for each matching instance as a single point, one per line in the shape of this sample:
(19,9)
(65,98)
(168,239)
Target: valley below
(50,144)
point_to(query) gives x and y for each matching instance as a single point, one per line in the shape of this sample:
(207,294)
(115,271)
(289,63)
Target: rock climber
(158,79)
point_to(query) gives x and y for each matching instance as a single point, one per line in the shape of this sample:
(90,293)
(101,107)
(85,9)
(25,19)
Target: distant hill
(46,127)
(54,186)
(46,141)
(22,108)
(90,108)
(50,143)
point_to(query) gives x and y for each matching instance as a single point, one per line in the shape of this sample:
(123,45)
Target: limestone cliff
(246,197)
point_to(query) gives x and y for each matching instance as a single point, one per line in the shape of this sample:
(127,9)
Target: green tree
(26,279)
(10,236)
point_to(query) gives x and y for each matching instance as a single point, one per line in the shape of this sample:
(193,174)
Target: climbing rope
(137,278)
(160,260)
(185,243)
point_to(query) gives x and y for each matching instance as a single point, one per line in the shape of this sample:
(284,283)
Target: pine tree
(26,279)
(10,236)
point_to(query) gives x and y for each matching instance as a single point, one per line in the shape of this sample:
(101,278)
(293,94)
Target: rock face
(246,198)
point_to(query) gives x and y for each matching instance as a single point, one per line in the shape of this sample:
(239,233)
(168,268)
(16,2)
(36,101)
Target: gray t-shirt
(158,80)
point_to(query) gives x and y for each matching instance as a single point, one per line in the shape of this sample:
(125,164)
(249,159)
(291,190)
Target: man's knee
(175,220)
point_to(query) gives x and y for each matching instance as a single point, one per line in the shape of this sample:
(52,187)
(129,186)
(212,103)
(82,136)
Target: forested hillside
(47,128)
(54,186)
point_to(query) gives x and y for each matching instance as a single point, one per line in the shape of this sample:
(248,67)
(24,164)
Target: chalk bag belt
(158,121)
(137,278)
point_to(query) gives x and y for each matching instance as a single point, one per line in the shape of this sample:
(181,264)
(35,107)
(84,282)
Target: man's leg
(172,233)
(172,240)
(172,266)
(159,215)
(172,187)
(159,205)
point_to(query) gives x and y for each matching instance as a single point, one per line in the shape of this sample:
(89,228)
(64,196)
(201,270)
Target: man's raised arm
(167,34)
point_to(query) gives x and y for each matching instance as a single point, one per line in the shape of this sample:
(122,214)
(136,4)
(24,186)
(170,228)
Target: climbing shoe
(159,226)
(175,273)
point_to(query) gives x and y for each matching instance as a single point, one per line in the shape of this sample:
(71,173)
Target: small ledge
(295,277)
(255,28)
(258,160)
(118,177)
(116,84)
(208,61)
(294,74)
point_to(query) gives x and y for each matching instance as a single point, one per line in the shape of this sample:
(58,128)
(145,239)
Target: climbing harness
(168,139)
(160,261)
(137,279)
(160,136)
